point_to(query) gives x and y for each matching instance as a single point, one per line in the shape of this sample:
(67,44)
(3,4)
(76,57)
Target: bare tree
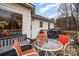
(71,11)
(77,11)
(67,10)
(64,10)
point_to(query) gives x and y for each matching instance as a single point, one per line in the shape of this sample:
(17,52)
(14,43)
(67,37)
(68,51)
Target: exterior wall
(21,10)
(45,25)
(36,27)
(51,25)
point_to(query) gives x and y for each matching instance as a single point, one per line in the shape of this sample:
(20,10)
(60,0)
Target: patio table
(51,46)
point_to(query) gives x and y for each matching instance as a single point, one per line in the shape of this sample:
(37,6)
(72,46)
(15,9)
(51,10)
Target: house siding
(51,25)
(36,26)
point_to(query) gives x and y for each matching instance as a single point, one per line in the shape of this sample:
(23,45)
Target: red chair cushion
(64,39)
(41,36)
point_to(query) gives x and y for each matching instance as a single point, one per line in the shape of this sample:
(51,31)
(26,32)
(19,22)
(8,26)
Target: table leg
(53,53)
(46,54)
(38,50)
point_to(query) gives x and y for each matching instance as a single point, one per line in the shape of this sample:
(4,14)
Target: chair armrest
(31,40)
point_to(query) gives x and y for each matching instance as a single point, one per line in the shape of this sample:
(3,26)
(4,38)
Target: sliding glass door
(10,21)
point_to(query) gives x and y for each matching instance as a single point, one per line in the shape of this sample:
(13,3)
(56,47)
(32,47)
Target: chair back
(41,36)
(64,39)
(17,47)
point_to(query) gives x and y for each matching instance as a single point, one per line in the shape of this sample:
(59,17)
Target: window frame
(41,24)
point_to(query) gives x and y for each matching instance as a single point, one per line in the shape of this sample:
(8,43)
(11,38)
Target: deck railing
(5,41)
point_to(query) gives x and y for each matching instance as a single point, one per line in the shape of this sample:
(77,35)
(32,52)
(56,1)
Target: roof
(65,17)
(41,18)
(29,5)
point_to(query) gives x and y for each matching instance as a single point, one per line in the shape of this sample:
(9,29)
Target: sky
(48,10)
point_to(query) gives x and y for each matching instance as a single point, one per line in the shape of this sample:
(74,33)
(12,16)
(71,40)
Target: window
(10,20)
(32,19)
(48,25)
(41,24)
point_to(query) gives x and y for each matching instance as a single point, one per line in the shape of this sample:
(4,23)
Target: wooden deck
(74,50)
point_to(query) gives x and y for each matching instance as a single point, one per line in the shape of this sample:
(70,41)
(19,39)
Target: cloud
(46,8)
(53,15)
(40,4)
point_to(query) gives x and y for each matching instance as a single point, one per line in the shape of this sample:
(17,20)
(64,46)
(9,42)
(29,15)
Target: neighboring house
(24,17)
(40,22)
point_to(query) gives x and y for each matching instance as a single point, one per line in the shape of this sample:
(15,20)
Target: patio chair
(30,52)
(65,41)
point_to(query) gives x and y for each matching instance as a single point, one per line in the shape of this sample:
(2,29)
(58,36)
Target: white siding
(36,27)
(22,10)
(51,25)
(45,25)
